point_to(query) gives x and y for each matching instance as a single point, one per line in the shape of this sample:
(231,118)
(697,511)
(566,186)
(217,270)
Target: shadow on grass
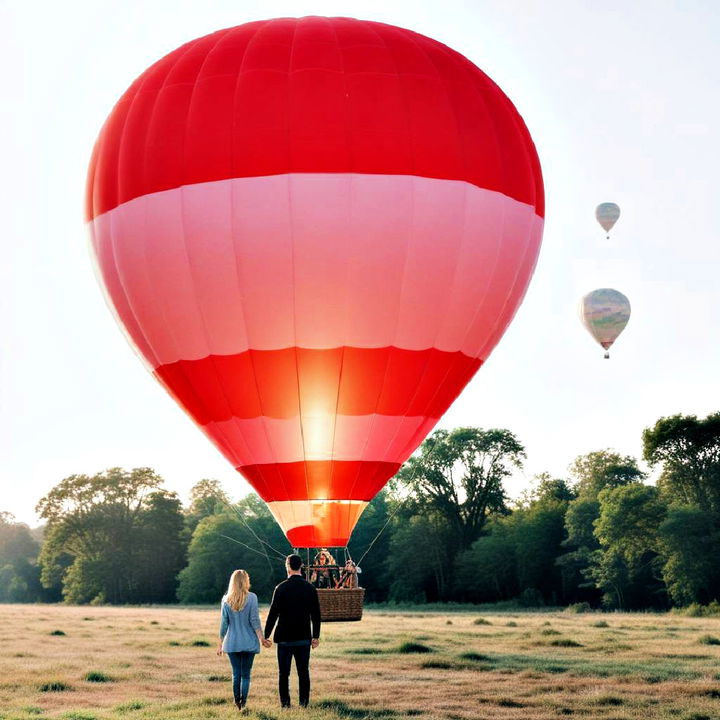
(709,640)
(508,702)
(365,651)
(565,642)
(406,648)
(609,701)
(475,657)
(95,676)
(648,671)
(447,665)
(414,647)
(343,710)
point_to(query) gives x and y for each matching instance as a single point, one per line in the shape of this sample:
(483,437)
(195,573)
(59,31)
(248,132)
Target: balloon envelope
(607,215)
(314,231)
(605,313)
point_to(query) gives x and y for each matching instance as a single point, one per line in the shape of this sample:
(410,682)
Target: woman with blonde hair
(240,633)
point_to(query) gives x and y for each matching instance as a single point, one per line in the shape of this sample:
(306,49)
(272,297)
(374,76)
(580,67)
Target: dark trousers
(285,655)
(242,663)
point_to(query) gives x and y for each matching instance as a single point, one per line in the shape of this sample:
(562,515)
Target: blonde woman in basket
(240,633)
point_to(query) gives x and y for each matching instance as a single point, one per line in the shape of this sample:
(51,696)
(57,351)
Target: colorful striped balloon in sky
(605,313)
(607,214)
(314,231)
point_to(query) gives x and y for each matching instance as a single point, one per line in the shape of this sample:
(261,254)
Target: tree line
(444,530)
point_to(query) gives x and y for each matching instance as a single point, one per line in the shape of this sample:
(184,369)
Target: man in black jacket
(295,607)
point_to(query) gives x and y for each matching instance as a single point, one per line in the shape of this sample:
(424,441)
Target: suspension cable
(398,506)
(258,552)
(382,529)
(262,542)
(254,534)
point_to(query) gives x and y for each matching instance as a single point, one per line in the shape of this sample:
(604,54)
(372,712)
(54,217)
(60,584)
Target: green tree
(591,474)
(19,574)
(517,555)
(688,450)
(539,531)
(207,497)
(580,544)
(230,540)
(603,469)
(459,476)
(629,520)
(454,484)
(487,571)
(417,561)
(96,529)
(545,490)
(690,541)
(626,567)
(161,548)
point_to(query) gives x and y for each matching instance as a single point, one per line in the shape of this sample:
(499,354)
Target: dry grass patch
(359,670)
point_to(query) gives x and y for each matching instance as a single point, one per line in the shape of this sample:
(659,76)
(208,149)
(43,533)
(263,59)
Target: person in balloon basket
(240,633)
(324,574)
(296,609)
(349,577)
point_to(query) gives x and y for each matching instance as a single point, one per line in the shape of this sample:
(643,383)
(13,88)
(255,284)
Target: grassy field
(83,663)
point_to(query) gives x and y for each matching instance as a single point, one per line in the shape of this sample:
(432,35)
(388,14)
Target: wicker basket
(341,605)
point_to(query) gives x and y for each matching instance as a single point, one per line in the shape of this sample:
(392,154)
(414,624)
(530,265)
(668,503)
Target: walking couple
(295,609)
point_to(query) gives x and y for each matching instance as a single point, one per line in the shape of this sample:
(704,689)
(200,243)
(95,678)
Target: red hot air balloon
(314,231)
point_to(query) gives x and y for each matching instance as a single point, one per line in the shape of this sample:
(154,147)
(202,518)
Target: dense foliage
(443,530)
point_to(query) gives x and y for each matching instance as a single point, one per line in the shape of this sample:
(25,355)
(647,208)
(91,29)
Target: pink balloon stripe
(315,261)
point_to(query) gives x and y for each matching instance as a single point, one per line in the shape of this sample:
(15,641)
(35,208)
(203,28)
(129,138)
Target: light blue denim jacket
(237,627)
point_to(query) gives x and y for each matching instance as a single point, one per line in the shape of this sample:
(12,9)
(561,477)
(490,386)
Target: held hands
(267,642)
(315,642)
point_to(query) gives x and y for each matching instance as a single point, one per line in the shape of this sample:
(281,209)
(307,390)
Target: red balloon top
(311,95)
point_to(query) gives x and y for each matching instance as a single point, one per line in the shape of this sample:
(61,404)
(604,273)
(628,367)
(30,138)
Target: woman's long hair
(238,589)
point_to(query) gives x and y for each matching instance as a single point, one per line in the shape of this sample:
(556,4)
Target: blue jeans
(242,663)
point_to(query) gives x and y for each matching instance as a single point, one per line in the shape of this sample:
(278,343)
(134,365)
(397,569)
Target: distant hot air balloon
(314,231)
(607,215)
(605,313)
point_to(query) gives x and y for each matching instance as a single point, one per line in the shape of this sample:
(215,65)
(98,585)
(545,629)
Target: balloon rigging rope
(398,507)
(258,552)
(382,530)
(263,543)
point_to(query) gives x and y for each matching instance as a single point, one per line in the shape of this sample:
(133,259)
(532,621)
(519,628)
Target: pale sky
(623,103)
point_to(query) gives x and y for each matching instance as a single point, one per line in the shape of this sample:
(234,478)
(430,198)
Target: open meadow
(96,663)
